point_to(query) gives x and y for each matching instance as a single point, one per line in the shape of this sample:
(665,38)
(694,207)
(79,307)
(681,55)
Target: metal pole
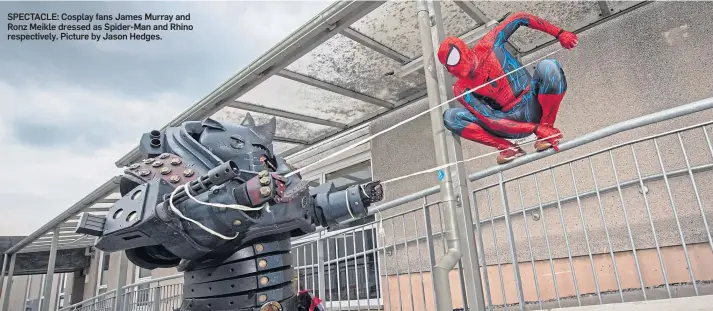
(441,270)
(321,279)
(120,282)
(8,287)
(471,266)
(511,240)
(58,290)
(47,286)
(2,273)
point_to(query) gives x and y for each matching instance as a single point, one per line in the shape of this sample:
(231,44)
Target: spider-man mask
(459,60)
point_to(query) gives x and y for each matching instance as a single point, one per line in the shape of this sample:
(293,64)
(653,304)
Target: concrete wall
(651,59)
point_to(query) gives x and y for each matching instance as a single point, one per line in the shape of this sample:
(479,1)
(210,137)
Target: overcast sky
(71,109)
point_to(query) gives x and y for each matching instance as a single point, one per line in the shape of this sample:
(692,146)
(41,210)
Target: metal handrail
(88,300)
(149,281)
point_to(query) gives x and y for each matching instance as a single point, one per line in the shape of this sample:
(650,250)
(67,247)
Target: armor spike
(248,120)
(267,130)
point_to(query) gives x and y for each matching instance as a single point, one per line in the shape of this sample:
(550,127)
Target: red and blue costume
(512,107)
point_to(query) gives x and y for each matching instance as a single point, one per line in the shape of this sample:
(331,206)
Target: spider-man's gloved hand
(548,134)
(567,39)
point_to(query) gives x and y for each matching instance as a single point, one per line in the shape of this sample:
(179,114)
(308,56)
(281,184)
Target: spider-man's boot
(547,135)
(508,150)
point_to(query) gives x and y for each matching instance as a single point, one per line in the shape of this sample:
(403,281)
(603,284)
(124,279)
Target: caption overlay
(23,27)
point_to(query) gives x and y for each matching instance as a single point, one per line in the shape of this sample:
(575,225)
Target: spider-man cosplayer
(512,107)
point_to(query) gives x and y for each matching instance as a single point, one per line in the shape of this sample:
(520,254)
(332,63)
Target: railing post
(511,240)
(157,298)
(429,239)
(320,268)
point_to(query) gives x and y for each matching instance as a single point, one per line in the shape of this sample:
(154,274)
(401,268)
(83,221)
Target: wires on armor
(219,205)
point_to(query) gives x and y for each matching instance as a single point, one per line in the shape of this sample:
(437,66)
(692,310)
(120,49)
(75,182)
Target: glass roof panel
(353,66)
(287,128)
(394,24)
(288,95)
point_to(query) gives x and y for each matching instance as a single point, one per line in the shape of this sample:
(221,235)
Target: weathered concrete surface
(702,303)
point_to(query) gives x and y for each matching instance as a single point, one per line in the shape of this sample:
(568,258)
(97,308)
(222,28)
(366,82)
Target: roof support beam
(96,209)
(107,201)
(324,26)
(362,39)
(103,191)
(285,114)
(7,292)
(474,12)
(294,76)
(291,140)
(604,7)
(469,38)
(47,287)
(60,247)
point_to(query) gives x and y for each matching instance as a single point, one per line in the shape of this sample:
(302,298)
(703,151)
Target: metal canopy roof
(353,62)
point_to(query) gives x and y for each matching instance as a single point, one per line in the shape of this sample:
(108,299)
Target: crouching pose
(512,107)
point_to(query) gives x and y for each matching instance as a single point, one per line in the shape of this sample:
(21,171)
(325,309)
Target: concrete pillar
(77,292)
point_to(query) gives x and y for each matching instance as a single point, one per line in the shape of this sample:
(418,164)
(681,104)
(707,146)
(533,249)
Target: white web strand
(193,221)
(437,168)
(365,140)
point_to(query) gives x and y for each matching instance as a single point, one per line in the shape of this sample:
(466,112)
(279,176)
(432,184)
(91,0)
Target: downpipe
(441,280)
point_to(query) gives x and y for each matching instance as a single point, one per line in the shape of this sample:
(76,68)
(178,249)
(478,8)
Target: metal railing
(101,302)
(626,223)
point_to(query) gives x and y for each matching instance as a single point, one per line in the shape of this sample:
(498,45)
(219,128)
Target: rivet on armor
(148,161)
(265,181)
(262,298)
(264,280)
(262,174)
(164,156)
(134,166)
(157,164)
(237,222)
(271,306)
(165,170)
(144,172)
(188,173)
(262,263)
(175,161)
(175,178)
(259,247)
(265,191)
